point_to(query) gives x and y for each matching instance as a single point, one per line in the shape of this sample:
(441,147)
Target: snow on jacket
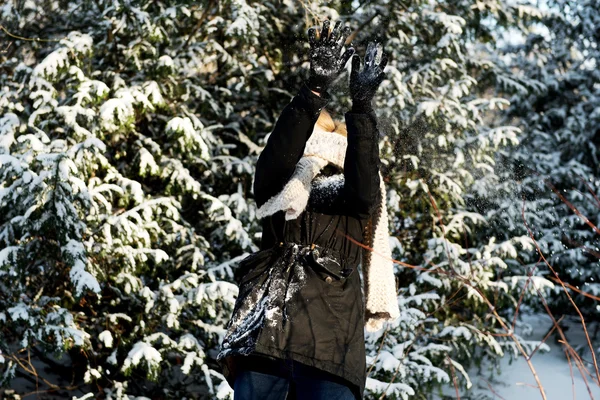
(300,296)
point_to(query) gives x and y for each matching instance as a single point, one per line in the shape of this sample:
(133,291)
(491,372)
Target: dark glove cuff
(318,85)
(310,102)
(324,94)
(361,106)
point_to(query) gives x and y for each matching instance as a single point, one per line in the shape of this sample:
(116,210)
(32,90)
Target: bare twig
(571,372)
(30,371)
(492,389)
(583,247)
(564,341)
(572,207)
(529,275)
(526,384)
(581,368)
(573,288)
(546,337)
(12,35)
(198,24)
(6,48)
(591,192)
(531,235)
(439,215)
(453,376)
(357,30)
(378,350)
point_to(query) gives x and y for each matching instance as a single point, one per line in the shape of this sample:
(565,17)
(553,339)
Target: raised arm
(361,166)
(286,144)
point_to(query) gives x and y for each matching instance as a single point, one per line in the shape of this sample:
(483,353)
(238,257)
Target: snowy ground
(516,382)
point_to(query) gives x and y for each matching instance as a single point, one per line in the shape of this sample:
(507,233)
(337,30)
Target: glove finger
(355,67)
(384,61)
(370,55)
(346,56)
(335,33)
(325,31)
(341,40)
(312,36)
(345,33)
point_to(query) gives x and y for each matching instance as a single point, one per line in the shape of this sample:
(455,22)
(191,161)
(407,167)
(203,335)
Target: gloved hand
(326,60)
(364,84)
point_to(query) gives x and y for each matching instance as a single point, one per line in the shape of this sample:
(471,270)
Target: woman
(298,323)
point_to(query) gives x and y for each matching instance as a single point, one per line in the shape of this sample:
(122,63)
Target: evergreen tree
(123,197)
(128,138)
(553,175)
(440,105)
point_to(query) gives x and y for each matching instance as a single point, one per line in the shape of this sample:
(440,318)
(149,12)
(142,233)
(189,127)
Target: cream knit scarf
(378,272)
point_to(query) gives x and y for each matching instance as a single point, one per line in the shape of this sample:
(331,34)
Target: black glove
(364,84)
(326,60)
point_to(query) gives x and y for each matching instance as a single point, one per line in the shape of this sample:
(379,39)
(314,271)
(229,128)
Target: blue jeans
(251,385)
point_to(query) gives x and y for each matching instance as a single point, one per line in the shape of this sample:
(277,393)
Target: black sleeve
(285,146)
(361,166)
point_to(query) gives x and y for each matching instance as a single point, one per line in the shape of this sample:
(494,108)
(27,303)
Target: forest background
(129,131)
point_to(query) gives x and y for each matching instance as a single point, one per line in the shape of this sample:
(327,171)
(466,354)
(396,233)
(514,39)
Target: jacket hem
(227,362)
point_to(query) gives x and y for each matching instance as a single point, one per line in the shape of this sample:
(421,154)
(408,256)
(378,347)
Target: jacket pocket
(252,266)
(328,266)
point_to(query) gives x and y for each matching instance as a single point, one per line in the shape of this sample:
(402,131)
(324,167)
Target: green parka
(300,296)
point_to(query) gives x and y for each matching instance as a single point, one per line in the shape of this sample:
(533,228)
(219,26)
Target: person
(297,329)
